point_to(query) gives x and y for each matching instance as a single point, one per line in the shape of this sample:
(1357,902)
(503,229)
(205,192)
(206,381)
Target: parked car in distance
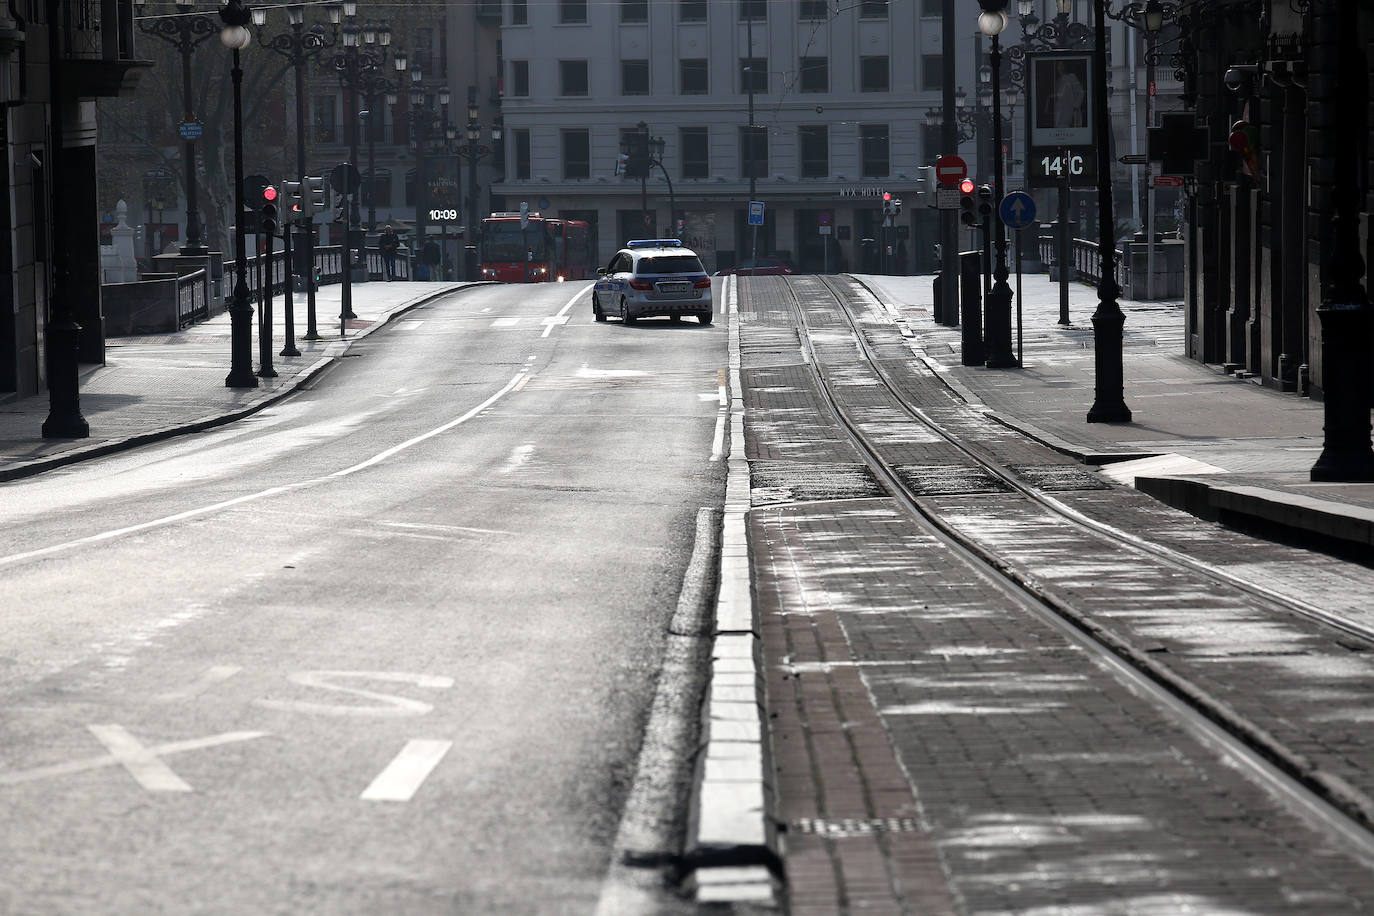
(759,267)
(653,277)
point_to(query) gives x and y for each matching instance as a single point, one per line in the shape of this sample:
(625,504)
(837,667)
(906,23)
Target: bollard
(971,307)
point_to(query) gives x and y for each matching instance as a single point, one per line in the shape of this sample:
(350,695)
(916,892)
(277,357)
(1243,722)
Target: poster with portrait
(1060,89)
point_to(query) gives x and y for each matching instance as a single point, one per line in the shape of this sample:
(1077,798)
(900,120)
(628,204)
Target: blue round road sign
(1017,210)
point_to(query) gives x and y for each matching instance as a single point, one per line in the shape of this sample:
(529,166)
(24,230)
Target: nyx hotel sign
(862,192)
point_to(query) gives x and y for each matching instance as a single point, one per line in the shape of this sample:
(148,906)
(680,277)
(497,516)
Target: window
(753,152)
(634,77)
(815,74)
(814,143)
(753,10)
(932,141)
(694,76)
(812,11)
(520,78)
(422,51)
(572,11)
(691,11)
(572,77)
(696,160)
(521,142)
(873,74)
(873,9)
(577,154)
(873,144)
(753,72)
(932,8)
(932,71)
(326,122)
(519,12)
(634,10)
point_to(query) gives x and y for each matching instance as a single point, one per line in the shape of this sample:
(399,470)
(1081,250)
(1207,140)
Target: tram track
(849,390)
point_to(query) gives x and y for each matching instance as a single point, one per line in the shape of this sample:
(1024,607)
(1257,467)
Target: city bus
(544,251)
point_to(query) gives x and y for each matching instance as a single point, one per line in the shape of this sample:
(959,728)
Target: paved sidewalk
(1209,443)
(156,386)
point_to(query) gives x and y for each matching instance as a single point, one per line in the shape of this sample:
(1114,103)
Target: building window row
(813,76)
(574,12)
(694,151)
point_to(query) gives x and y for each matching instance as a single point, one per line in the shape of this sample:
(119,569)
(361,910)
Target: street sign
(825,230)
(947,198)
(345,178)
(824,218)
(950,170)
(1017,210)
(756,213)
(190,131)
(1168,181)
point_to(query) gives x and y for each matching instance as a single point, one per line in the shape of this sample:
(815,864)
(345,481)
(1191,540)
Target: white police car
(653,277)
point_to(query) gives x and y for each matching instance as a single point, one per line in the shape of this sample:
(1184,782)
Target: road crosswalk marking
(407,771)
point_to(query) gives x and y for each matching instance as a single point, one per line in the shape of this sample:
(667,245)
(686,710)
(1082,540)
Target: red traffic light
(966,186)
(269,193)
(887,196)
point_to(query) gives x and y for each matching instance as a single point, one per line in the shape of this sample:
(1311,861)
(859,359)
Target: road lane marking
(407,771)
(262,494)
(210,678)
(396,449)
(108,760)
(409,324)
(561,317)
(388,705)
(519,457)
(143,765)
(509,321)
(721,391)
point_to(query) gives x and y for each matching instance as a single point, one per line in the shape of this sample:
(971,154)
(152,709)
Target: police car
(652,277)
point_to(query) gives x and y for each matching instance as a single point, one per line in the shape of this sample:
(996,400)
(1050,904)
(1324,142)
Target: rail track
(865,376)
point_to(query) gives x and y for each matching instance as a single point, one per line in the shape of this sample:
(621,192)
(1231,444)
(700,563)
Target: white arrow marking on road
(407,771)
(95,763)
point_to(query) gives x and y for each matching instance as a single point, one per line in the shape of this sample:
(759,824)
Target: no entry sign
(950,170)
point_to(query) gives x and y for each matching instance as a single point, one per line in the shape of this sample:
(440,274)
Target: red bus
(546,250)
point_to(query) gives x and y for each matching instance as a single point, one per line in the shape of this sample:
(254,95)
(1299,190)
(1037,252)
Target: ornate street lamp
(236,37)
(298,45)
(472,151)
(991,22)
(184,31)
(426,123)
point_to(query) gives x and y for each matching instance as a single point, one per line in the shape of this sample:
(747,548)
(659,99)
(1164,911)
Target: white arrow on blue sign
(756,213)
(1017,210)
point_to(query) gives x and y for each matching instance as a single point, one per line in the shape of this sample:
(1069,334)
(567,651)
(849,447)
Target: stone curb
(20,470)
(732,836)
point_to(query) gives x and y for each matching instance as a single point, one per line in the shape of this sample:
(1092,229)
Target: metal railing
(329,267)
(1087,261)
(193,298)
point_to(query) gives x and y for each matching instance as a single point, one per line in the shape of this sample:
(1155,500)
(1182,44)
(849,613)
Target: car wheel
(704,317)
(625,315)
(596,309)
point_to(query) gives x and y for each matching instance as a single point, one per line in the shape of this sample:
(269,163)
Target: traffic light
(896,206)
(985,200)
(887,203)
(267,213)
(315,199)
(968,206)
(292,190)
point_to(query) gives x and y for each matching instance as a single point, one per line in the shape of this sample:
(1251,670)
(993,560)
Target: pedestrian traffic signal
(887,203)
(985,200)
(292,190)
(968,206)
(314,200)
(267,213)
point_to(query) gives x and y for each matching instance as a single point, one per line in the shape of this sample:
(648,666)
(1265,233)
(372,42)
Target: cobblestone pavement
(938,748)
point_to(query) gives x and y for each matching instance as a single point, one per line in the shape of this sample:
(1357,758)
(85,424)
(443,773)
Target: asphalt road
(385,647)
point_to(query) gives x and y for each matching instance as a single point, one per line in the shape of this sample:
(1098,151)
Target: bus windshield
(503,240)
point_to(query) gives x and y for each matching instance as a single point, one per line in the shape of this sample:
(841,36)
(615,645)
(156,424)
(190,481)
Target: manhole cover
(948,479)
(787,481)
(1058,477)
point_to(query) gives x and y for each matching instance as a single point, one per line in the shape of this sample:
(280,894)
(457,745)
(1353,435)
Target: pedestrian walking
(389,243)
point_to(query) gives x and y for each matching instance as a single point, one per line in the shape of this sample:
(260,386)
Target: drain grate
(840,828)
(789,481)
(948,480)
(1059,477)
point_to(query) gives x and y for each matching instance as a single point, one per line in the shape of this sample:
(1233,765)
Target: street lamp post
(185,31)
(375,88)
(425,123)
(473,151)
(298,45)
(991,22)
(235,36)
(1109,403)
